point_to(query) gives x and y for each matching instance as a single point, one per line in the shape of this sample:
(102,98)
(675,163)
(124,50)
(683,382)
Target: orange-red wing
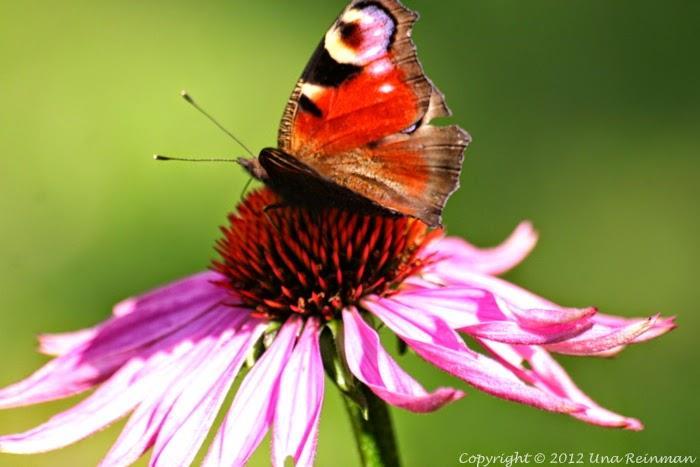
(359,116)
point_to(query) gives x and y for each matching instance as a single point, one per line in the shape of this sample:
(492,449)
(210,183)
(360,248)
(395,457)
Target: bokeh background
(585,117)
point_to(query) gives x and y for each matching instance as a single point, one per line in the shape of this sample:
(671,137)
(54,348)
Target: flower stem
(374,431)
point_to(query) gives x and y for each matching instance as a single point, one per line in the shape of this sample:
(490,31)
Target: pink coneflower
(299,293)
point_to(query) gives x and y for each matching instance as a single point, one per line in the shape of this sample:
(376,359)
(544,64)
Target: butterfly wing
(360,115)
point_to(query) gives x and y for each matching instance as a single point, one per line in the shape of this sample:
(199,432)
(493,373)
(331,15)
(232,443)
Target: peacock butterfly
(356,131)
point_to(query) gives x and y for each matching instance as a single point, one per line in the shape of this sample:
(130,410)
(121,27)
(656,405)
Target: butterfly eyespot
(363,34)
(351,34)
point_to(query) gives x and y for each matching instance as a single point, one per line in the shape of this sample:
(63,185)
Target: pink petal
(558,317)
(111,401)
(299,402)
(613,323)
(517,298)
(116,341)
(252,410)
(60,344)
(457,306)
(178,294)
(134,381)
(660,327)
(188,423)
(178,419)
(534,326)
(512,333)
(433,340)
(548,375)
(496,260)
(601,339)
(478,313)
(372,365)
(455,276)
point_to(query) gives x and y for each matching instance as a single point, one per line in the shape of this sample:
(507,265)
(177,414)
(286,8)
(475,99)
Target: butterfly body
(356,131)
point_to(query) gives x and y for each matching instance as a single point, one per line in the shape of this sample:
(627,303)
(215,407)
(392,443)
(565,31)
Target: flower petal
(433,340)
(56,345)
(123,391)
(518,298)
(252,410)
(372,365)
(478,313)
(601,339)
(545,373)
(299,402)
(512,333)
(448,274)
(495,260)
(178,294)
(96,358)
(660,327)
(188,423)
(178,419)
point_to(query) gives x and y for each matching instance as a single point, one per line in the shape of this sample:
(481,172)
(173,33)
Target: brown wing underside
(360,115)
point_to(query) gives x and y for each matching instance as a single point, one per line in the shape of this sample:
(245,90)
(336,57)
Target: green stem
(374,434)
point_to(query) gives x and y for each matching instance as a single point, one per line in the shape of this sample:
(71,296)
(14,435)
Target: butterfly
(357,132)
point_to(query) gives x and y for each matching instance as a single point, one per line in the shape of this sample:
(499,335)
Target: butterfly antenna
(185,95)
(160,157)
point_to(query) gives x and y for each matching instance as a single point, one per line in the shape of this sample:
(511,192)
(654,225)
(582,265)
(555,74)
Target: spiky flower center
(296,260)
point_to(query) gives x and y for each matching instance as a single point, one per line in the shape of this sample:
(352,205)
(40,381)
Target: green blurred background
(585,117)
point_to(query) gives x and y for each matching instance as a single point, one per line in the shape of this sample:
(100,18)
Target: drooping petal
(131,384)
(495,260)
(56,345)
(94,358)
(183,432)
(176,420)
(478,313)
(252,410)
(601,339)
(178,294)
(436,342)
(449,274)
(372,365)
(545,373)
(298,411)
(512,333)
(518,298)
(660,327)
(459,307)
(110,402)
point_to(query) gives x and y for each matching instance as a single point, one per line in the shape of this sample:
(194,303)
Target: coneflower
(299,293)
